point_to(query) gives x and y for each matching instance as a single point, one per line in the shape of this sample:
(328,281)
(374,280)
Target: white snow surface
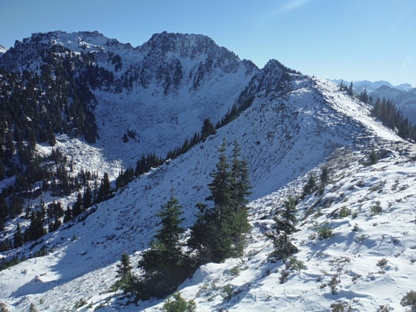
(2,50)
(282,139)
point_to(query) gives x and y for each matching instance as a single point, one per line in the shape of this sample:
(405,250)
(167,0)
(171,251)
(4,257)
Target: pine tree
(87,199)
(68,215)
(207,129)
(126,279)
(284,225)
(351,89)
(220,187)
(373,157)
(176,303)
(124,268)
(364,96)
(105,189)
(310,186)
(78,207)
(18,237)
(4,211)
(241,190)
(35,229)
(165,265)
(219,231)
(324,177)
(220,245)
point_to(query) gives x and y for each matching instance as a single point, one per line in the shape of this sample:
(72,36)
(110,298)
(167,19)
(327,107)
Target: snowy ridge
(294,126)
(282,138)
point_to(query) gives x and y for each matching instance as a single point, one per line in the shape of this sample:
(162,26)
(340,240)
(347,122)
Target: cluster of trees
(217,234)
(146,162)
(53,173)
(35,107)
(57,99)
(385,110)
(311,185)
(51,216)
(347,88)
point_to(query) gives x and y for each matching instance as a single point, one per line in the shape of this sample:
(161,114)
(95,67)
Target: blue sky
(350,39)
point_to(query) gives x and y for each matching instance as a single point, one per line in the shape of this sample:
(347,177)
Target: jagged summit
(170,42)
(167,80)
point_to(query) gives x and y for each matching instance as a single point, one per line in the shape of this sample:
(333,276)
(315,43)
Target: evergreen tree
(126,279)
(176,303)
(221,244)
(124,268)
(240,190)
(221,187)
(219,231)
(373,157)
(207,129)
(310,186)
(4,211)
(32,307)
(87,199)
(364,96)
(105,189)
(351,89)
(324,177)
(165,266)
(78,208)
(68,215)
(284,225)
(18,237)
(35,229)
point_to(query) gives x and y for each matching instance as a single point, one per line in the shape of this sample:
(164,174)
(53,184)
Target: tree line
(386,111)
(151,160)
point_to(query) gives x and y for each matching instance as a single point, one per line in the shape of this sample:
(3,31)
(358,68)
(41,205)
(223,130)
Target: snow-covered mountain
(294,126)
(162,90)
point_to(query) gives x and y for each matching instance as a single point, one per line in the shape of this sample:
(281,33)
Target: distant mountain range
(371,86)
(403,95)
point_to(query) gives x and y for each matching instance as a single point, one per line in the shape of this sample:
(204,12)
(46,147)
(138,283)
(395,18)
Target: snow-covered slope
(294,126)
(162,90)
(288,131)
